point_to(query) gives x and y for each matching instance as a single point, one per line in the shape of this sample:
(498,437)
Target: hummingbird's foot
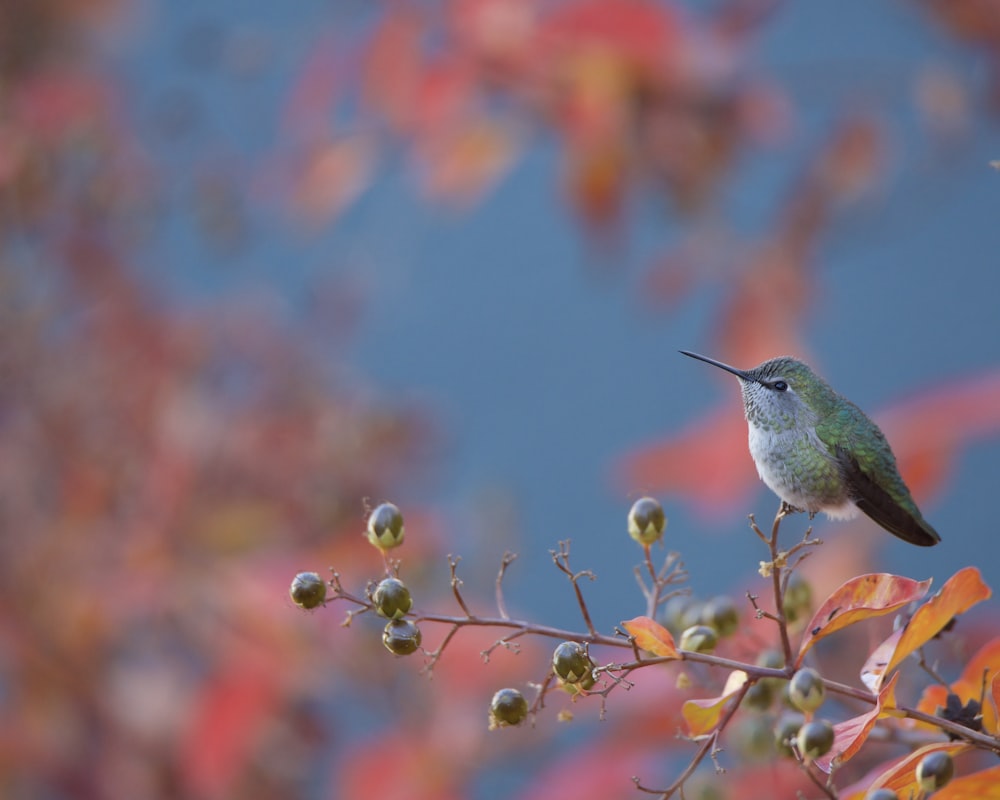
(788,508)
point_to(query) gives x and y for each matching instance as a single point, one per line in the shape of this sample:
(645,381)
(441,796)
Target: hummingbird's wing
(873,481)
(899,517)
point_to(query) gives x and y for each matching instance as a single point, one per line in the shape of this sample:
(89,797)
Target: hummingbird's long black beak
(737,372)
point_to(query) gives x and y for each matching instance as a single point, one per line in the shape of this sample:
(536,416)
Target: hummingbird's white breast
(795,465)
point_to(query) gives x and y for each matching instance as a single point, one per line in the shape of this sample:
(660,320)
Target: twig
(947,726)
(560,558)
(506,561)
(708,747)
(775,567)
(922,662)
(432,658)
(824,786)
(671,572)
(456,583)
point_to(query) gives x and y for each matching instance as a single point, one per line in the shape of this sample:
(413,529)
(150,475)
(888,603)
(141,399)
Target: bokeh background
(264,265)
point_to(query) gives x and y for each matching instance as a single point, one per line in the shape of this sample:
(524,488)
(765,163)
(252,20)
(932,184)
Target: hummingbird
(818,451)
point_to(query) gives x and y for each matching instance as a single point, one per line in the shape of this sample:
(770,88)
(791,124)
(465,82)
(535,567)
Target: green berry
(797,601)
(699,639)
(401,637)
(646,521)
(722,614)
(385,527)
(772,659)
(308,590)
(392,599)
(693,615)
(508,707)
(934,771)
(785,731)
(571,662)
(673,614)
(815,739)
(754,739)
(806,690)
(759,696)
(585,684)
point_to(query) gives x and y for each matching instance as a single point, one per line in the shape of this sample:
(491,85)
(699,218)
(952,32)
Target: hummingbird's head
(779,394)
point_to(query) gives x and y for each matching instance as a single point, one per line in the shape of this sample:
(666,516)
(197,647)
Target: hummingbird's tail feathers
(892,515)
(906,527)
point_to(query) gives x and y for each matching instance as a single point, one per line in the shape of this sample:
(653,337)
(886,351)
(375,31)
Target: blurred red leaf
(393,67)
(399,765)
(444,96)
(962,591)
(500,31)
(702,716)
(928,429)
(332,177)
(57,103)
(860,598)
(467,160)
(651,637)
(851,734)
(310,102)
(593,770)
(708,463)
(762,315)
(643,32)
(229,714)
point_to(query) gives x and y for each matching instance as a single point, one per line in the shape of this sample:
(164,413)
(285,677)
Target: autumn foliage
(731,651)
(170,464)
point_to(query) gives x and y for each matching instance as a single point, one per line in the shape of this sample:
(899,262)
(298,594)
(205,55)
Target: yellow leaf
(703,715)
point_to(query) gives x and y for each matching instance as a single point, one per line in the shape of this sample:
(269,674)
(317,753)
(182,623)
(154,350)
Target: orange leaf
(703,715)
(969,686)
(982,785)
(962,591)
(933,698)
(861,598)
(901,777)
(651,637)
(995,696)
(851,734)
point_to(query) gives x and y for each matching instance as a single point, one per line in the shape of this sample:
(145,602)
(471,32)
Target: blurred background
(265,265)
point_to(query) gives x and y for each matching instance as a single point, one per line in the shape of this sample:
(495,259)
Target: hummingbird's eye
(779,386)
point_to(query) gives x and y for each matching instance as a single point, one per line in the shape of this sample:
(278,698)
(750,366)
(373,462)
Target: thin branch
(671,572)
(922,662)
(823,786)
(456,583)
(560,558)
(432,658)
(947,726)
(708,747)
(506,561)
